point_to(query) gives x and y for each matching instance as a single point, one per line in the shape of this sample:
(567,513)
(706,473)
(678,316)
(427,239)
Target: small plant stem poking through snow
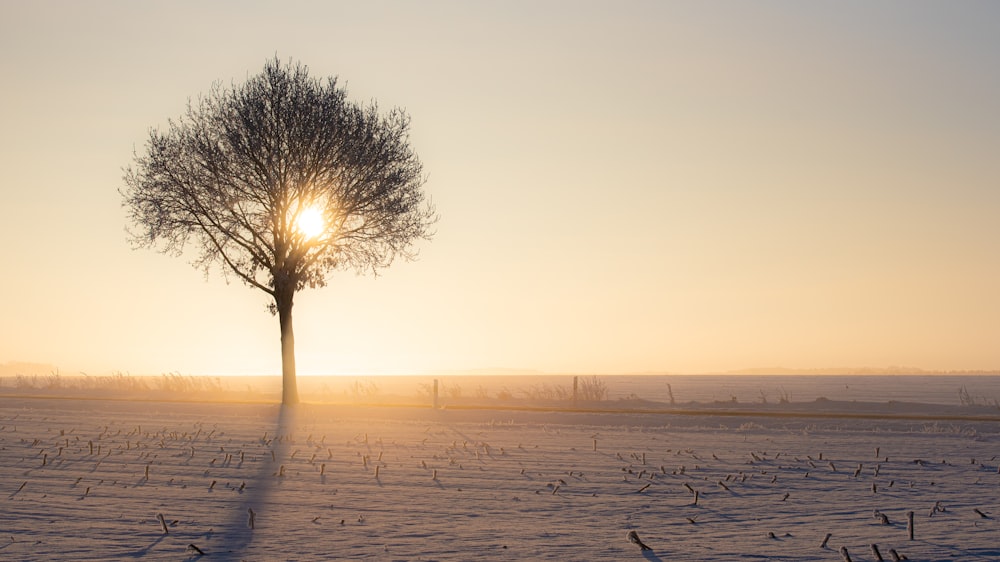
(376,471)
(844,554)
(937,507)
(876,553)
(253,516)
(980,513)
(633,538)
(163,523)
(196,549)
(895,555)
(826,539)
(909,524)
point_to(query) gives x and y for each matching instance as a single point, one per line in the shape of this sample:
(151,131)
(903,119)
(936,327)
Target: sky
(623,187)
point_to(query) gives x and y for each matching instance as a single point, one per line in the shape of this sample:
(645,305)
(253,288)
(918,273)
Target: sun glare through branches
(311,223)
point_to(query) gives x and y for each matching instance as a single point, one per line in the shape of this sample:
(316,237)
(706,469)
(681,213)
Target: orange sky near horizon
(641,186)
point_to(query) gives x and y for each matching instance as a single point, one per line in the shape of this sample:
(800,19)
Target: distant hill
(893,370)
(12,368)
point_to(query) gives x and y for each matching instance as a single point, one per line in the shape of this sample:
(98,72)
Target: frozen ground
(88,480)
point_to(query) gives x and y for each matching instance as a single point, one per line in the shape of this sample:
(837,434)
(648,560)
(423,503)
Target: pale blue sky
(623,187)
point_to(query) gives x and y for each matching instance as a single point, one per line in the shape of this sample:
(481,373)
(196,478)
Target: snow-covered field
(90,479)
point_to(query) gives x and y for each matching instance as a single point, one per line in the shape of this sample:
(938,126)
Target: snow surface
(409,483)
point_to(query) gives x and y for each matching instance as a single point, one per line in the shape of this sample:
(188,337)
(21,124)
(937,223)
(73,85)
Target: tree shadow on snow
(237,535)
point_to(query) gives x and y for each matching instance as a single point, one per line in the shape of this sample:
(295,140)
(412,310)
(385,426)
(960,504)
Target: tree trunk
(289,388)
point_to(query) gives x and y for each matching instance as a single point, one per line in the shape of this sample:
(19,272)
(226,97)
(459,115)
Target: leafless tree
(280,181)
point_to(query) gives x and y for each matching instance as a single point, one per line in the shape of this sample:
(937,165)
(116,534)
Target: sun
(311,223)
